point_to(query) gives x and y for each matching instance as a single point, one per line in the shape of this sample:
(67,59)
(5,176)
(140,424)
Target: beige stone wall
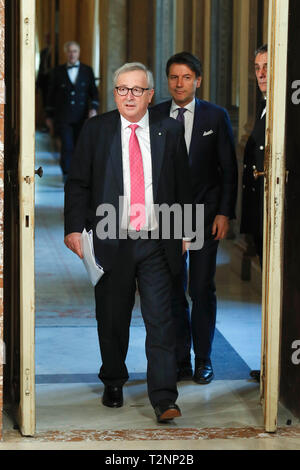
(2,99)
(113,47)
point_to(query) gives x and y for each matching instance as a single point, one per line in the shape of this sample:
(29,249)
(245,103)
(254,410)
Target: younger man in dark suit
(212,160)
(72,98)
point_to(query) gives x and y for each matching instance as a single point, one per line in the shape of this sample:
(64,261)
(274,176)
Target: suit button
(72,102)
(244,186)
(253,189)
(261,147)
(245,166)
(72,93)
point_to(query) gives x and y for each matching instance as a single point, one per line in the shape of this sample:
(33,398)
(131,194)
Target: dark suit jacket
(44,68)
(212,160)
(253,190)
(96,177)
(68,103)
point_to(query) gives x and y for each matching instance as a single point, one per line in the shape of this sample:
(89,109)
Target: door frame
(275,174)
(26,415)
(273,224)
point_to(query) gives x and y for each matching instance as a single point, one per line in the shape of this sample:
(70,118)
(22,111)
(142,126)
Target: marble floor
(225,414)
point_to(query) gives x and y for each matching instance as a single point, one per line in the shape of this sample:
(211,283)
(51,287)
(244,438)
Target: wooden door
(290,345)
(274,209)
(26,216)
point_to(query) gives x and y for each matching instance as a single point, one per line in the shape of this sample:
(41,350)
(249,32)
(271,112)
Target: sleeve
(50,103)
(93,92)
(227,166)
(78,188)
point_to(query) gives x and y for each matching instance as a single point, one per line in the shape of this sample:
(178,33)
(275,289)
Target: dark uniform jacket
(68,102)
(212,160)
(253,190)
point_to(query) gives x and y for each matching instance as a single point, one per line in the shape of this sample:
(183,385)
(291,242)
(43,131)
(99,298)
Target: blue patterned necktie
(180,116)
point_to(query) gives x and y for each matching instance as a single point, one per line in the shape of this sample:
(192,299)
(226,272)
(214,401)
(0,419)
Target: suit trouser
(140,261)
(258,242)
(68,134)
(200,325)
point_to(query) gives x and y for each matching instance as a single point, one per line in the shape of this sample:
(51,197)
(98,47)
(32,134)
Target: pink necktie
(137,183)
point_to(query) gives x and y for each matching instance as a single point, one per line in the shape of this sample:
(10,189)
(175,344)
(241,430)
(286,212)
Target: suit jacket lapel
(66,73)
(157,143)
(79,76)
(115,154)
(197,126)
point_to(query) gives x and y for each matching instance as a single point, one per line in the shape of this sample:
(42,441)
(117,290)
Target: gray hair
(70,43)
(131,67)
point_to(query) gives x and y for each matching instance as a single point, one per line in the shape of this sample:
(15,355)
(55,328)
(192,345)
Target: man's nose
(262,73)
(179,82)
(130,95)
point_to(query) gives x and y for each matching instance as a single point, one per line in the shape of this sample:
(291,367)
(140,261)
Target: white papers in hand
(94,270)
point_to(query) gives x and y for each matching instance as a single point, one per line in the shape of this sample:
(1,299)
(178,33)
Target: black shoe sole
(168,415)
(112,405)
(203,381)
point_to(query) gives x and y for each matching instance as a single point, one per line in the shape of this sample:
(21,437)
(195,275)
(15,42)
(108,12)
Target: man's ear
(199,81)
(151,93)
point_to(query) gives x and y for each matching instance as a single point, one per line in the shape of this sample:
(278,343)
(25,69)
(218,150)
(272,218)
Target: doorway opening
(67,354)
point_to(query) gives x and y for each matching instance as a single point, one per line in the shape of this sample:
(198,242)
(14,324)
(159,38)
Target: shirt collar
(70,65)
(143,123)
(190,106)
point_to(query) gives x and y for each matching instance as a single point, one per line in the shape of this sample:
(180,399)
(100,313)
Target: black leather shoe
(203,371)
(112,396)
(255,374)
(184,372)
(166,411)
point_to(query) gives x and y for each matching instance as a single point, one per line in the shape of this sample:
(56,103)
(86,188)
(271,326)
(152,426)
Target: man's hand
(92,113)
(185,246)
(220,227)
(72,241)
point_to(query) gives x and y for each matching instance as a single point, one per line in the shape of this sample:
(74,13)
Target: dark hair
(188,59)
(261,50)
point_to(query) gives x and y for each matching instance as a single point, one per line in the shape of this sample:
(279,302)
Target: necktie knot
(180,115)
(133,127)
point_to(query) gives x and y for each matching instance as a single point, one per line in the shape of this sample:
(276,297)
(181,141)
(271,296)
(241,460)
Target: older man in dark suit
(128,152)
(72,98)
(212,160)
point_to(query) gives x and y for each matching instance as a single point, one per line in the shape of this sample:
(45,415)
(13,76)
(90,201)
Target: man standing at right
(253,188)
(212,159)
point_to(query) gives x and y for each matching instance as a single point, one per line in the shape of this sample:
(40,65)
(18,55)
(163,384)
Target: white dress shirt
(188,120)
(264,110)
(143,135)
(73,73)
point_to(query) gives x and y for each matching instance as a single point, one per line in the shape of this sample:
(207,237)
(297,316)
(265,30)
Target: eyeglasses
(136,91)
